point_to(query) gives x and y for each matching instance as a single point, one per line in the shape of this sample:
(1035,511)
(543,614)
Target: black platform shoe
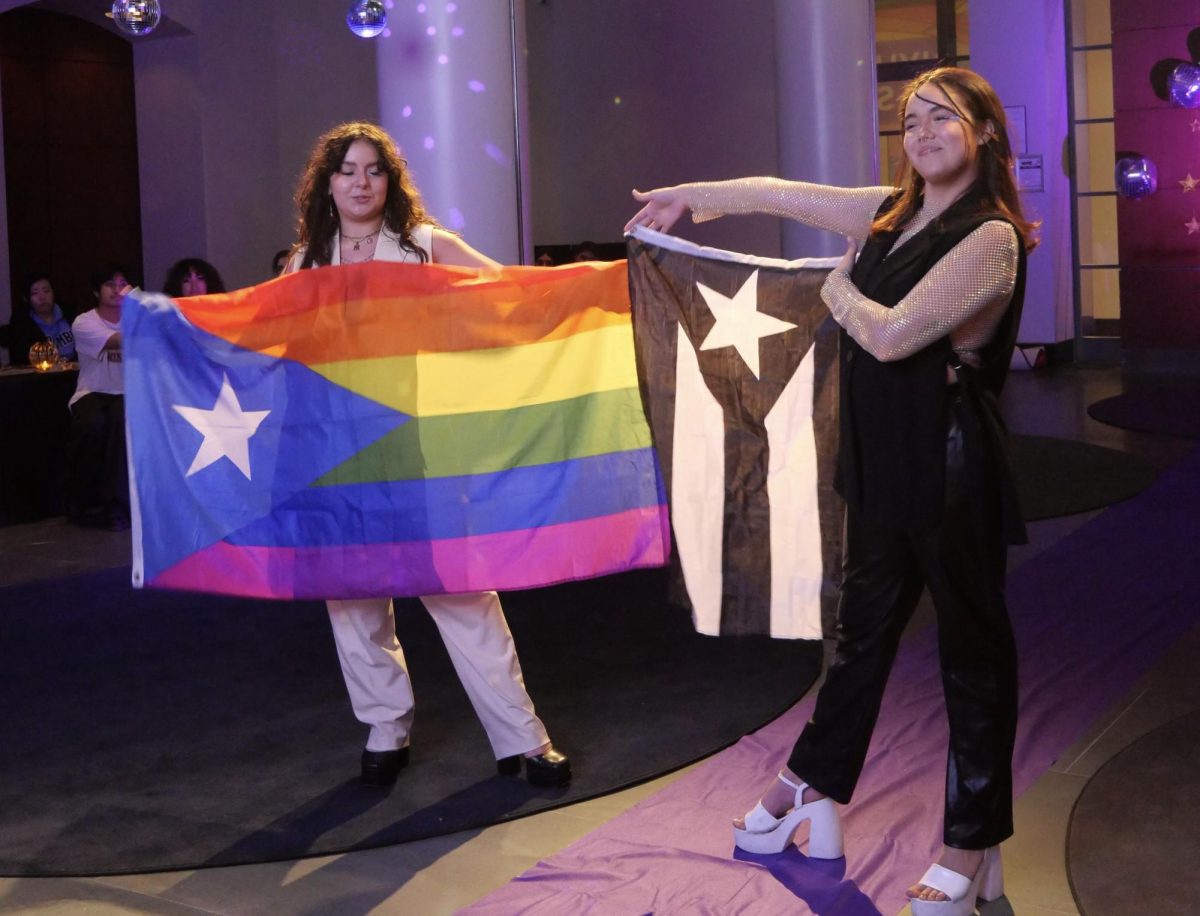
(380,768)
(548,769)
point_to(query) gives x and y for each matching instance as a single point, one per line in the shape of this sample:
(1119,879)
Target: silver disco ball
(1183,86)
(1136,177)
(137,17)
(366,18)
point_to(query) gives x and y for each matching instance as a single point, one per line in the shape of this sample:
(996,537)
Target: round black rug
(155,730)
(1061,476)
(1134,835)
(1173,410)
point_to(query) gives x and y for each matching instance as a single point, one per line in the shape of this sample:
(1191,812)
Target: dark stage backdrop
(1159,253)
(70,151)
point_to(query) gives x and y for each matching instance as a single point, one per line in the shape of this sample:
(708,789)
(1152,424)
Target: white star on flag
(1189,183)
(226,429)
(1193,225)
(739,322)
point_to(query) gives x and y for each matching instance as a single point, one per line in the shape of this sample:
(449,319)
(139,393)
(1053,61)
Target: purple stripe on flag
(528,558)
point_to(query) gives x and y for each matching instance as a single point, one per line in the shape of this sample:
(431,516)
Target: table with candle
(34,423)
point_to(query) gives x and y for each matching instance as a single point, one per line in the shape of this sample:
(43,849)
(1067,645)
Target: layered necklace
(359,241)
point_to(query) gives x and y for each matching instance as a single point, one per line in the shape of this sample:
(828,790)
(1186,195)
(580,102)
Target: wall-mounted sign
(1029,173)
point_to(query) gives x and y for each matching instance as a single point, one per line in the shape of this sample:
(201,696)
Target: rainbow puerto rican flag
(390,429)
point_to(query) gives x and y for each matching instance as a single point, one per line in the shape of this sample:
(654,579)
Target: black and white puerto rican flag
(737,358)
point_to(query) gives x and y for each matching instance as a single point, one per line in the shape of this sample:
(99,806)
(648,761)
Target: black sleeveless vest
(895,416)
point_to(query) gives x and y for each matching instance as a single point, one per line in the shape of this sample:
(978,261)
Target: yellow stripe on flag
(436,384)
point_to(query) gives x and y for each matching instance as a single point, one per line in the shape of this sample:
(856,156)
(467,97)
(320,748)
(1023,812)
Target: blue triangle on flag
(312,426)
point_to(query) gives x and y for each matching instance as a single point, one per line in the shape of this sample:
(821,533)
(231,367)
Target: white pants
(481,648)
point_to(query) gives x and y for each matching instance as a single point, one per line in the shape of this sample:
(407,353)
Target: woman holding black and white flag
(929,310)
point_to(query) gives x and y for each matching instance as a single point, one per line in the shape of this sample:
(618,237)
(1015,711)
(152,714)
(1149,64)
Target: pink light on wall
(1159,246)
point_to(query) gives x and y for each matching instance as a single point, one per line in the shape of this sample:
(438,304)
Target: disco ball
(137,17)
(366,18)
(1183,86)
(1136,177)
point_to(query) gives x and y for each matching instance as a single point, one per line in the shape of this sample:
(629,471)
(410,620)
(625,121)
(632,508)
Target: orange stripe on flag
(383,309)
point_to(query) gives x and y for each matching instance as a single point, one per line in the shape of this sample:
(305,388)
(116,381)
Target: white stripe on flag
(796,570)
(683,246)
(697,492)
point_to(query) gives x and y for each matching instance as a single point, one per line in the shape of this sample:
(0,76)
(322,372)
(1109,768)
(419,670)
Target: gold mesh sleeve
(846,211)
(964,295)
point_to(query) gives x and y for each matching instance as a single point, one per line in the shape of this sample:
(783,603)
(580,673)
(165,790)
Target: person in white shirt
(97,476)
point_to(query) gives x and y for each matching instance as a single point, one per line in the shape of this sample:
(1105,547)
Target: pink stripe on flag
(529,558)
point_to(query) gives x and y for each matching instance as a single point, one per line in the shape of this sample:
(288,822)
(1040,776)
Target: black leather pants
(963,564)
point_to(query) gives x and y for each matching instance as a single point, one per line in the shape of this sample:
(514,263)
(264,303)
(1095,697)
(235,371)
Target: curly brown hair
(975,102)
(318,222)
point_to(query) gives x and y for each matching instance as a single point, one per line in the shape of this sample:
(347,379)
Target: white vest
(388,248)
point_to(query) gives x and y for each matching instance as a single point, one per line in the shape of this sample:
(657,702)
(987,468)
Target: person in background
(358,203)
(584,251)
(97,476)
(192,277)
(43,320)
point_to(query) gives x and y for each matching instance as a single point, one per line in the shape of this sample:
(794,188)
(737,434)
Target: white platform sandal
(987,885)
(764,833)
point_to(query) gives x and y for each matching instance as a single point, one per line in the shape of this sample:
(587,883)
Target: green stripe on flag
(482,443)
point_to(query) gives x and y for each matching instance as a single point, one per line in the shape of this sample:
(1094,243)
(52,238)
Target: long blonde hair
(975,102)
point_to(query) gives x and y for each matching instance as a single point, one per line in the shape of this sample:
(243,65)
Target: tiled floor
(443,874)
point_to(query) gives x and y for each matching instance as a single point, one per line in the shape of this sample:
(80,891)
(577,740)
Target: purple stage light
(366,18)
(1183,86)
(1136,177)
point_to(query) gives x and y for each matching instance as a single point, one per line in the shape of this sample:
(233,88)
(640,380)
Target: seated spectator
(584,251)
(97,479)
(41,319)
(280,261)
(192,277)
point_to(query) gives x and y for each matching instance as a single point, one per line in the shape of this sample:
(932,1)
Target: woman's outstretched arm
(846,211)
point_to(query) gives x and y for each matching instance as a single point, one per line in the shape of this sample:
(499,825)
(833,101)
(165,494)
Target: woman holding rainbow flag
(358,203)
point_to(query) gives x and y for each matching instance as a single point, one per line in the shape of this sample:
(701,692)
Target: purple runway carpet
(1092,614)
